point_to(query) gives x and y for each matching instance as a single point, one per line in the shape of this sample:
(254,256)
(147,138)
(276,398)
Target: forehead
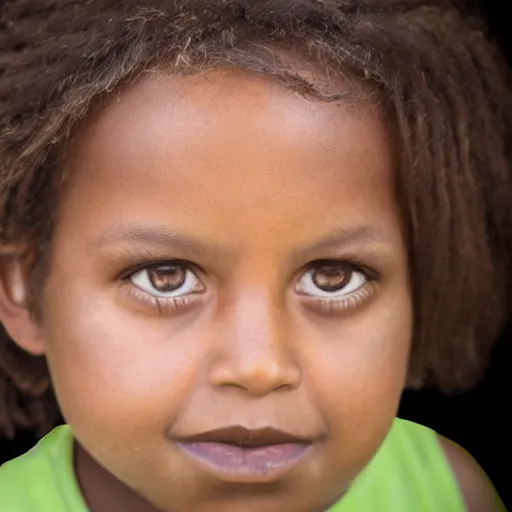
(233,147)
(211,110)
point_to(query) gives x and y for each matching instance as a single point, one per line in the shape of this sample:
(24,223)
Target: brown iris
(332,278)
(167,278)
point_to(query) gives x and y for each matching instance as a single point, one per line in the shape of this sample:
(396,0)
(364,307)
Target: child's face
(247,185)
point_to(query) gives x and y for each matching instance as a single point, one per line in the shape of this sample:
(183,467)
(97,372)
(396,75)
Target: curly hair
(442,84)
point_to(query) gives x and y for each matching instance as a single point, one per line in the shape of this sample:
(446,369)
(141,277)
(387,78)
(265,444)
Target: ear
(15,313)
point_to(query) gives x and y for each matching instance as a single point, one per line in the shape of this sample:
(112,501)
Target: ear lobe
(15,314)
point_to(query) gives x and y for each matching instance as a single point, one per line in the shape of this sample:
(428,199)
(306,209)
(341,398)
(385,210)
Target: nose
(254,352)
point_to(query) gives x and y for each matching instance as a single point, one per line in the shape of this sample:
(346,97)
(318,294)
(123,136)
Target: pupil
(331,278)
(167,279)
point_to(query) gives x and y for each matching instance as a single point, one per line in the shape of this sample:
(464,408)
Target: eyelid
(164,302)
(352,261)
(343,304)
(325,305)
(192,284)
(355,264)
(339,294)
(155,263)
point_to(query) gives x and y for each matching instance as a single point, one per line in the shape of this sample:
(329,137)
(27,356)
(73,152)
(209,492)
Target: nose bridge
(255,351)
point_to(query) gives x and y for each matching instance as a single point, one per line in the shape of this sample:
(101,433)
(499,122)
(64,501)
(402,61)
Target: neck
(102,491)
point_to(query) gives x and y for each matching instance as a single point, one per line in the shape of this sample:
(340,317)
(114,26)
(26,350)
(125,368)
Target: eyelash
(332,306)
(162,305)
(184,302)
(352,300)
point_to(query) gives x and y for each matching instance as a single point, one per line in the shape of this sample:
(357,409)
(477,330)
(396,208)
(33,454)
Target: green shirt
(408,473)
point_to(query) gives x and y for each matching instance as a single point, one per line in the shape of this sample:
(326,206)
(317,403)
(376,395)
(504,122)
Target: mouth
(243,455)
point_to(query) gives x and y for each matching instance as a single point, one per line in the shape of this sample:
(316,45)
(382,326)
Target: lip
(237,454)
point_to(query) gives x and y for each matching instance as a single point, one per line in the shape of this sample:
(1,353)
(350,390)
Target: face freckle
(228,254)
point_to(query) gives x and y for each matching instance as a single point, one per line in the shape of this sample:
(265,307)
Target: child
(232,232)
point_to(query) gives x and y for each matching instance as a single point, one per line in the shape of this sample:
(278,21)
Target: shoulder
(13,485)
(478,492)
(41,478)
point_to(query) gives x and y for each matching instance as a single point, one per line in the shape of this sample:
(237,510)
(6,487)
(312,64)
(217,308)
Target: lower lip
(246,464)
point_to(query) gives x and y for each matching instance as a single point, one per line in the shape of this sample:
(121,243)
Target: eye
(332,280)
(167,281)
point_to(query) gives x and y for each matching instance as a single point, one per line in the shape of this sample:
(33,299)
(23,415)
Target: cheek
(359,370)
(357,381)
(129,375)
(111,367)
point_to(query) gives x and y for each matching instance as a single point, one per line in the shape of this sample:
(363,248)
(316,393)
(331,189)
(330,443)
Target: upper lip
(241,436)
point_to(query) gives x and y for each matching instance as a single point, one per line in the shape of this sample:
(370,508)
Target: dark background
(478,420)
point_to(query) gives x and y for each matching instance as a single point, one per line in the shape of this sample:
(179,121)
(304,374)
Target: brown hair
(442,84)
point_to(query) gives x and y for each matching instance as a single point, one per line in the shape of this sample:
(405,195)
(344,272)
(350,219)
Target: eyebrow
(346,237)
(157,236)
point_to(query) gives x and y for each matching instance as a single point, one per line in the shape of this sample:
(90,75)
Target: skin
(251,185)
